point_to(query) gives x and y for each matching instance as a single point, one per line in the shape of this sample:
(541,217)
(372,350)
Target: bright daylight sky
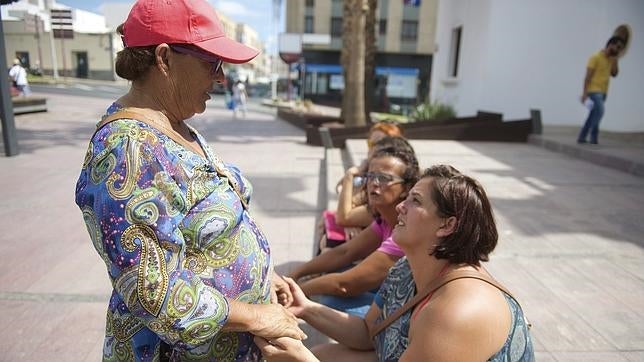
(256,13)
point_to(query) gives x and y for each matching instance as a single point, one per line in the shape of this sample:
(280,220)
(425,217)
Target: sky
(256,13)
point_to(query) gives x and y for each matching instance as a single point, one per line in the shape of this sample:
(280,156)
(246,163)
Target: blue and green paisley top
(176,241)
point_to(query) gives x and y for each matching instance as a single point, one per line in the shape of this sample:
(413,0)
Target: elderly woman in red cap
(191,270)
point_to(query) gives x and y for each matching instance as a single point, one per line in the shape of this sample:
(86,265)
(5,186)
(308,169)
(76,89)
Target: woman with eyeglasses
(190,269)
(352,206)
(392,172)
(353,211)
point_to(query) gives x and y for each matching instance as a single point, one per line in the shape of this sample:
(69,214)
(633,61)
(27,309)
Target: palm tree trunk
(370,58)
(353,62)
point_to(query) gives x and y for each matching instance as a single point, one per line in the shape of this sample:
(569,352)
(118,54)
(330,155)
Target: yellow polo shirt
(601,65)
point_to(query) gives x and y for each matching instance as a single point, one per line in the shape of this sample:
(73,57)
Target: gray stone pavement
(571,245)
(616,150)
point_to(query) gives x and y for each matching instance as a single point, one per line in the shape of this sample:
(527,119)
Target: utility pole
(277,8)
(52,43)
(37,21)
(62,27)
(6,107)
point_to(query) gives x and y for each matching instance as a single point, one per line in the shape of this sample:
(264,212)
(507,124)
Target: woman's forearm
(324,284)
(350,330)
(240,317)
(365,276)
(359,216)
(264,320)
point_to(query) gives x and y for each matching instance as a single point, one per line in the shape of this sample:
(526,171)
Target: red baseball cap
(195,22)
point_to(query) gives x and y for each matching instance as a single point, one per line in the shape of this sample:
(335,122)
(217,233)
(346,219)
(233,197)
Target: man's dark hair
(616,39)
(475,235)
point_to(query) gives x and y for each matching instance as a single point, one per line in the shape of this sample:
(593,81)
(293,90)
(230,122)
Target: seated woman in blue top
(444,225)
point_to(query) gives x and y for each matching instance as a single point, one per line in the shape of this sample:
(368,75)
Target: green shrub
(433,111)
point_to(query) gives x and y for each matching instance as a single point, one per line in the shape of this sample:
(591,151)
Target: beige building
(256,67)
(92,51)
(405,33)
(89,54)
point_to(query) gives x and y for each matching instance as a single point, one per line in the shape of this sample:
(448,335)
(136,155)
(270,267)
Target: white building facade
(510,56)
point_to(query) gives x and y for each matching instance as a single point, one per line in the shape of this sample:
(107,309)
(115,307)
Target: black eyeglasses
(383,178)
(215,62)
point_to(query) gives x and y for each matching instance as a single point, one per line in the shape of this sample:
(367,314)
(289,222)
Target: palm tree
(352,59)
(370,56)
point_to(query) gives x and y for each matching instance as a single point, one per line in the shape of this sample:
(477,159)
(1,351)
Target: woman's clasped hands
(286,348)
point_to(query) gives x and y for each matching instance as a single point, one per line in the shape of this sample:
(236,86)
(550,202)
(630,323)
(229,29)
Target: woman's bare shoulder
(465,312)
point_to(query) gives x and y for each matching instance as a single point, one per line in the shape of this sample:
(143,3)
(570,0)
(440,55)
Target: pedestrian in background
(18,76)
(601,66)
(239,98)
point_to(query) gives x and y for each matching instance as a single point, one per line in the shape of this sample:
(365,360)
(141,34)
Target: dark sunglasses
(383,178)
(215,62)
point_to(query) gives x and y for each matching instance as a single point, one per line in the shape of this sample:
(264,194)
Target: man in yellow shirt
(601,66)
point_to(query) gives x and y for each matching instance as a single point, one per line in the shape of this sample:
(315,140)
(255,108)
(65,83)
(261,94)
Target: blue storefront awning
(337,69)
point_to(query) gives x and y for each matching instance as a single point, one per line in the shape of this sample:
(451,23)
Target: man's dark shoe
(581,142)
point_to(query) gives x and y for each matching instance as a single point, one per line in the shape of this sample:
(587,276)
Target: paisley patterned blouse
(399,287)
(176,241)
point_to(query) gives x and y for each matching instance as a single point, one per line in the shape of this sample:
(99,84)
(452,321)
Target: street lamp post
(277,8)
(6,107)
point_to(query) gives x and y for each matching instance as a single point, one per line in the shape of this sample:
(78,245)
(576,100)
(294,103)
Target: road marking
(83,87)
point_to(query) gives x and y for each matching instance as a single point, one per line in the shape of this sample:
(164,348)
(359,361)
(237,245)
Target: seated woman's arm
(358,216)
(346,214)
(343,255)
(365,276)
(352,331)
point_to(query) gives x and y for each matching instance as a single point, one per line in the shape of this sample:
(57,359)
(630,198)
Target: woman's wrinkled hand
(280,291)
(274,321)
(284,350)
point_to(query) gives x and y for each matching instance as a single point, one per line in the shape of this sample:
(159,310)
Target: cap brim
(228,50)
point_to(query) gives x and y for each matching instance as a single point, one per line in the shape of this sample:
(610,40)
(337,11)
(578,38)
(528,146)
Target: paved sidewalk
(571,232)
(619,151)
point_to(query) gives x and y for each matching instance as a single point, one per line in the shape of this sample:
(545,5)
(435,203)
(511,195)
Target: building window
(308,24)
(382,27)
(409,30)
(455,51)
(310,3)
(336,27)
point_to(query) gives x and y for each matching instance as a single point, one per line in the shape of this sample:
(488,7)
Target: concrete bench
(29,104)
